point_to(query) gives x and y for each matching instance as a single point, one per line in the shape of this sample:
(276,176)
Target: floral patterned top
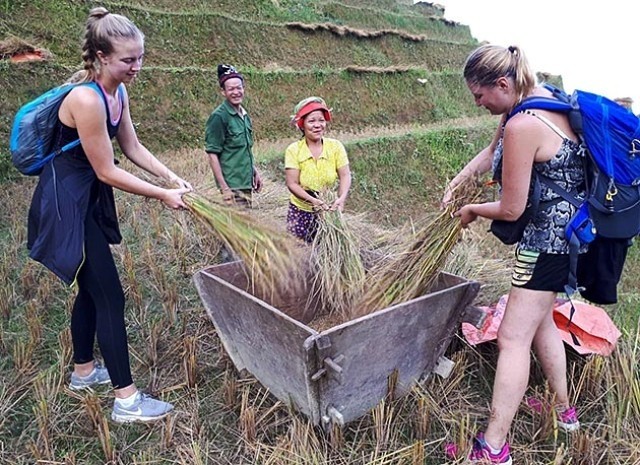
(545,232)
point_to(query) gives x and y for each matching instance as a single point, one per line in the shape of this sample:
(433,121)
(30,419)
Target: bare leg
(125,391)
(549,348)
(83,369)
(525,312)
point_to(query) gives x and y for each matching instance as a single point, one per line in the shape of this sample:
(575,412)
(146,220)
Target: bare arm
(522,140)
(292,177)
(344,176)
(478,165)
(139,154)
(84,109)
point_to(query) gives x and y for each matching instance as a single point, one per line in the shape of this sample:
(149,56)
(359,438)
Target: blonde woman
(72,219)
(499,78)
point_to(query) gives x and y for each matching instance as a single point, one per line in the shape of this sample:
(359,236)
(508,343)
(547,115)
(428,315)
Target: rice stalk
(192,453)
(404,455)
(270,257)
(229,389)
(418,453)
(189,360)
(101,425)
(336,267)
(421,254)
(45,390)
(247,420)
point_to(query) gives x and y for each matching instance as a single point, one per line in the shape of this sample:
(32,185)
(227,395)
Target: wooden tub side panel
(409,337)
(261,339)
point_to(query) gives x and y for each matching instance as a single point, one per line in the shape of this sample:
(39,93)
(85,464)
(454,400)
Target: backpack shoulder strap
(76,142)
(549,123)
(541,103)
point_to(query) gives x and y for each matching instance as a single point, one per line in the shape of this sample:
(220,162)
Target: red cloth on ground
(594,330)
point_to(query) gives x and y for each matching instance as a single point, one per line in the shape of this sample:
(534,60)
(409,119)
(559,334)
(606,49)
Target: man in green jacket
(229,139)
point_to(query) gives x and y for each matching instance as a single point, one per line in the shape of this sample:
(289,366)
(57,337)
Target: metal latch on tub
(330,365)
(333,416)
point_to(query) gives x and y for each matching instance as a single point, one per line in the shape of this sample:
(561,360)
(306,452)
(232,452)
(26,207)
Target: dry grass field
(226,417)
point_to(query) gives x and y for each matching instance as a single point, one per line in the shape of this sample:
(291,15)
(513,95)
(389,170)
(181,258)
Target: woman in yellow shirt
(313,164)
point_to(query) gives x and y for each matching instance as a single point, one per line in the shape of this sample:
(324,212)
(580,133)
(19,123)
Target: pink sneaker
(568,420)
(481,452)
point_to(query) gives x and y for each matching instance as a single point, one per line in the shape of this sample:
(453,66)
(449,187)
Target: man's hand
(227,196)
(257,181)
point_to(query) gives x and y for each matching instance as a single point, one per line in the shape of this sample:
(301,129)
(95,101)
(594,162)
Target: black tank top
(68,134)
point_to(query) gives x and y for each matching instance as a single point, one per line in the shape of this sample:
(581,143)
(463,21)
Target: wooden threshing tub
(336,375)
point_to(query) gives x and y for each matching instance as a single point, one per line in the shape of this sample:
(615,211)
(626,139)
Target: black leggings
(99,308)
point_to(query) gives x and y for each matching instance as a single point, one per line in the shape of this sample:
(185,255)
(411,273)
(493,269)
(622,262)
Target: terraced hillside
(365,63)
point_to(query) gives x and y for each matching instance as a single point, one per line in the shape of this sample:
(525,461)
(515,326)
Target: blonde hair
(102,29)
(486,64)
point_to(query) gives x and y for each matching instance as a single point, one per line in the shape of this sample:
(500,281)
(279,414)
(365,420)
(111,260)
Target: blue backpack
(33,130)
(609,216)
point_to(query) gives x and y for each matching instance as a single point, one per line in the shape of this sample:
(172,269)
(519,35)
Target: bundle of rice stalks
(419,257)
(271,259)
(336,267)
(466,259)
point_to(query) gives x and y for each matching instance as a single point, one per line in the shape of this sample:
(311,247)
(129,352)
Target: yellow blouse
(319,174)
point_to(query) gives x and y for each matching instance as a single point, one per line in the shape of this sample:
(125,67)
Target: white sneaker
(99,375)
(144,409)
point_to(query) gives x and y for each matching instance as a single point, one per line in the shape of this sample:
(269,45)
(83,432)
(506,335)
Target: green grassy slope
(422,21)
(201,40)
(170,105)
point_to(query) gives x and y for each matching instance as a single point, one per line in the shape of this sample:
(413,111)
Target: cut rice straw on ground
(413,268)
(271,259)
(336,267)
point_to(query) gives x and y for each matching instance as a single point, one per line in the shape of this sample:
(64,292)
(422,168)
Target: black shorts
(540,271)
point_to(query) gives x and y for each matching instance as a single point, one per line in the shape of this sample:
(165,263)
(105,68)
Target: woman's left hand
(466,214)
(338,204)
(179,182)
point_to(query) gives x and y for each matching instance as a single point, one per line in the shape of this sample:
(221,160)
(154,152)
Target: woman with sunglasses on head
(540,143)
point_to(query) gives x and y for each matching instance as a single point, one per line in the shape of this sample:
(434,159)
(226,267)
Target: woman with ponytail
(72,219)
(526,145)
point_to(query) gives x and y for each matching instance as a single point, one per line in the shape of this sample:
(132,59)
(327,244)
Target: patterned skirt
(302,224)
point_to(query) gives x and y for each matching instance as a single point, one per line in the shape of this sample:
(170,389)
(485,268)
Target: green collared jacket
(230,136)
